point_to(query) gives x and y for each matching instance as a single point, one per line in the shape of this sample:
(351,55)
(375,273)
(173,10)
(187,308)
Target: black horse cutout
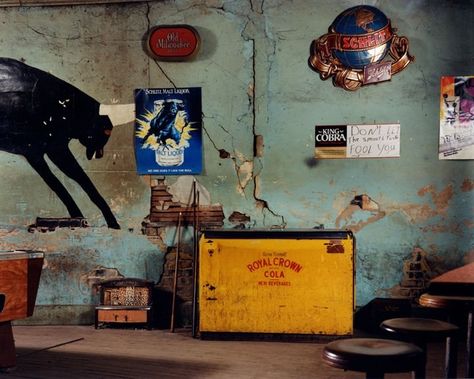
(39,115)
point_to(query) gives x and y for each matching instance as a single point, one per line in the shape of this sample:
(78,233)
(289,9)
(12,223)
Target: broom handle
(195,265)
(175,283)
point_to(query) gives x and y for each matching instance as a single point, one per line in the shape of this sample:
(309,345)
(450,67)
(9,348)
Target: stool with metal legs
(420,331)
(375,356)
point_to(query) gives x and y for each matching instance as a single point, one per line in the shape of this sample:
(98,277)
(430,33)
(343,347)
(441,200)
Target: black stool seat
(422,330)
(374,356)
(428,329)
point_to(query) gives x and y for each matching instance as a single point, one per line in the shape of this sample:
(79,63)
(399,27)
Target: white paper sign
(373,141)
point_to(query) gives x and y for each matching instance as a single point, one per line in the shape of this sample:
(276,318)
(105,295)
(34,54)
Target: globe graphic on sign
(365,36)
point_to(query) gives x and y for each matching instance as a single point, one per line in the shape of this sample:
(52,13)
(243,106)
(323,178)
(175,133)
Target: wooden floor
(84,352)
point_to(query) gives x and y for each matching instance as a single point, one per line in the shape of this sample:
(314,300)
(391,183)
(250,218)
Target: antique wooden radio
(125,300)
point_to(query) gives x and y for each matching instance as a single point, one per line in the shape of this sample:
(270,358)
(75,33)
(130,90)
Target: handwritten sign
(357,141)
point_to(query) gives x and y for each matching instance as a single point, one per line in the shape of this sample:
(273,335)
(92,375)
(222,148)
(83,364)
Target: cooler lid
(20,254)
(277,234)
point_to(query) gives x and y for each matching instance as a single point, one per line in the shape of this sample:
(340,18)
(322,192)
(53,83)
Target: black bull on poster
(39,115)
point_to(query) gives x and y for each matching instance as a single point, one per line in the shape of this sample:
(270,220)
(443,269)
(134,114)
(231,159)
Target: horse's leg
(67,163)
(37,161)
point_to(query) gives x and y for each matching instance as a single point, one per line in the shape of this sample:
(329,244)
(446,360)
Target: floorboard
(84,352)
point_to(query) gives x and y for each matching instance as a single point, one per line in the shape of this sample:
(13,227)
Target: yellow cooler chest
(276,281)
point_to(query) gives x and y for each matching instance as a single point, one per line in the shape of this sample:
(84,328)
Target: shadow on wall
(162,302)
(311,162)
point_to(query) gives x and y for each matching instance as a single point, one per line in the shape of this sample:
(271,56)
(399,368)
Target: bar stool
(375,356)
(422,330)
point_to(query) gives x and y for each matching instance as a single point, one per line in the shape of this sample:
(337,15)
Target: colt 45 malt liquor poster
(168,131)
(357,141)
(456,129)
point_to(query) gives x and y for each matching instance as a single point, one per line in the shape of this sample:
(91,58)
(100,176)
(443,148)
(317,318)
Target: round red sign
(173,42)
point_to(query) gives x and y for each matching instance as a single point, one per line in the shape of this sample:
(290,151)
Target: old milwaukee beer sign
(173,42)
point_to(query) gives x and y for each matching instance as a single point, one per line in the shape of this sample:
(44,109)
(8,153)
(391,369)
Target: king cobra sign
(360,48)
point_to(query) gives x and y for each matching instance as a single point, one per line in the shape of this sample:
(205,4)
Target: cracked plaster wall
(260,104)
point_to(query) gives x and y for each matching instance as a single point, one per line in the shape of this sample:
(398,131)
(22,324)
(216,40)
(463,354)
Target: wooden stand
(7,346)
(125,301)
(20,273)
(123,314)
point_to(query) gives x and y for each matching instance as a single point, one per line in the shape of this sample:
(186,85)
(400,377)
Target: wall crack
(255,25)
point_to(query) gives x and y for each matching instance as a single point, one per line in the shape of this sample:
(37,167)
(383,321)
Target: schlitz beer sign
(357,48)
(172,42)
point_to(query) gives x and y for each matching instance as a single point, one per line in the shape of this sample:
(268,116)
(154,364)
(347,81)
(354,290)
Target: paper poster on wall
(357,141)
(168,131)
(456,128)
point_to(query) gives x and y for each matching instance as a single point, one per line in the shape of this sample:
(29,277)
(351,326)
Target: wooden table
(456,303)
(20,273)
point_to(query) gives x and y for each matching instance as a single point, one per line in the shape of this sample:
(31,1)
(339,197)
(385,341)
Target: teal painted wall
(255,81)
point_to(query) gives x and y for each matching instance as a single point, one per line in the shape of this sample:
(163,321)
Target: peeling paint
(456,229)
(469,224)
(259,146)
(182,191)
(361,204)
(98,274)
(415,213)
(245,175)
(256,187)
(441,199)
(160,242)
(261,204)
(365,203)
(334,248)
(166,212)
(345,219)
(224,154)
(467,185)
(238,218)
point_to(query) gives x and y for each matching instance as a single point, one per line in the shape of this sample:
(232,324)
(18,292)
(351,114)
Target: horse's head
(96,137)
